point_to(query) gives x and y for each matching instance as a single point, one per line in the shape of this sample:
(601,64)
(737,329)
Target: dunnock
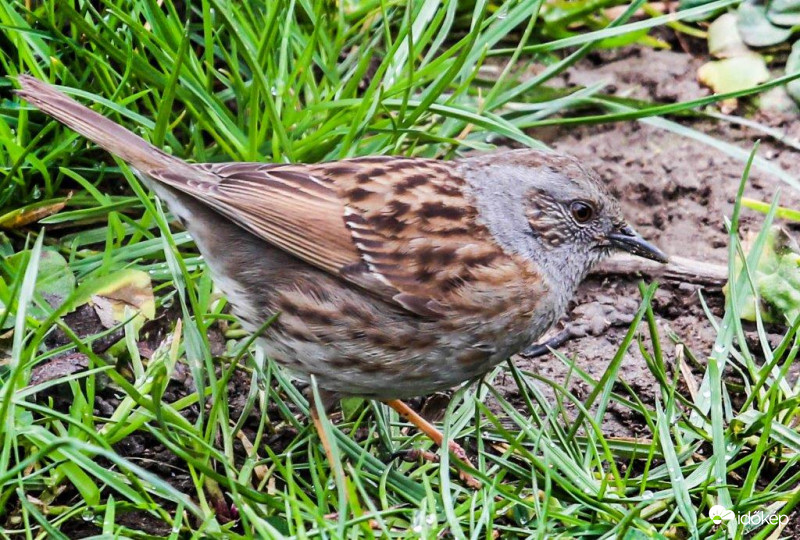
(393,277)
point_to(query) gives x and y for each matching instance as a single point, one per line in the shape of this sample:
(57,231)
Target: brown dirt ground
(675,192)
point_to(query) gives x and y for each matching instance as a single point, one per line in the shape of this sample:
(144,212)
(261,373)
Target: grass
(312,80)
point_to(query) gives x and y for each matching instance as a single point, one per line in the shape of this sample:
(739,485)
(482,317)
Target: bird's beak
(626,239)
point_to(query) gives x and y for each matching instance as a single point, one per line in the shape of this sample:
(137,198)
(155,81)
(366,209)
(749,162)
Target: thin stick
(678,269)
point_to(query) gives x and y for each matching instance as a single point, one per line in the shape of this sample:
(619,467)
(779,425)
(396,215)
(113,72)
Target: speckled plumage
(392,277)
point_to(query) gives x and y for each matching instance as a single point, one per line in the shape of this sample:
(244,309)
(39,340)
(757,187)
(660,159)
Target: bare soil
(676,193)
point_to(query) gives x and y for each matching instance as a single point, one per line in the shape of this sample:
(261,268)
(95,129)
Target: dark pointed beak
(629,240)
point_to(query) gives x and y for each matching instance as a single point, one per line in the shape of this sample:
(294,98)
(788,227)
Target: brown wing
(416,229)
(400,228)
(283,204)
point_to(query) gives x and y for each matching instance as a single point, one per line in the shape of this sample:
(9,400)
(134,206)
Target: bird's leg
(327,400)
(323,437)
(436,436)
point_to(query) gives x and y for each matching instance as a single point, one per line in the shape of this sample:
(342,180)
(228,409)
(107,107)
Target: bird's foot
(436,436)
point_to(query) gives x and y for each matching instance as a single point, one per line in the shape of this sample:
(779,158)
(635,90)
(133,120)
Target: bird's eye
(581,211)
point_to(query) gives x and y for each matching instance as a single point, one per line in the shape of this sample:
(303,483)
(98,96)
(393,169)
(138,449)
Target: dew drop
(502,14)
(87,515)
(431,519)
(37,193)
(719,349)
(417,528)
(273,91)
(647,495)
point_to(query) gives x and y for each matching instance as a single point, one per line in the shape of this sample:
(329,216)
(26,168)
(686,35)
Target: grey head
(549,208)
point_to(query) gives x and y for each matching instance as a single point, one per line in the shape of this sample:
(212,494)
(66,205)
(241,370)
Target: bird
(391,277)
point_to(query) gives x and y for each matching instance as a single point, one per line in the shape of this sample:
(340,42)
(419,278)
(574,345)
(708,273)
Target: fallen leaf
(32,213)
(724,40)
(732,74)
(129,289)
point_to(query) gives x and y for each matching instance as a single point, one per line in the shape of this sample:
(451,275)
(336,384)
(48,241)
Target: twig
(678,269)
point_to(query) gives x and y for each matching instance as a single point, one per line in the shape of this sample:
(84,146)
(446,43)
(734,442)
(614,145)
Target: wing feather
(402,229)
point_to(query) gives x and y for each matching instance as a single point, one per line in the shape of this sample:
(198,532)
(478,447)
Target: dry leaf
(129,289)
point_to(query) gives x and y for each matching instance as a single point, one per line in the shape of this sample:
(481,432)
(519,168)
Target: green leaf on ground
(777,279)
(784,12)
(54,281)
(756,29)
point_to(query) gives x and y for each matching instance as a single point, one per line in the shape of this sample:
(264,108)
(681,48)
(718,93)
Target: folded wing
(403,229)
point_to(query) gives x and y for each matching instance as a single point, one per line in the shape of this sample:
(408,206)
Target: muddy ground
(676,192)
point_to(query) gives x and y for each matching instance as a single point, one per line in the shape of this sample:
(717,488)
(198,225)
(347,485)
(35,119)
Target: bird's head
(551,209)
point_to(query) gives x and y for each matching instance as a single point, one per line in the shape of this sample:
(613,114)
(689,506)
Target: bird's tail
(109,135)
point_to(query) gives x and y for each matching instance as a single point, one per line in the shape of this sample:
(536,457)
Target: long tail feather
(109,135)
